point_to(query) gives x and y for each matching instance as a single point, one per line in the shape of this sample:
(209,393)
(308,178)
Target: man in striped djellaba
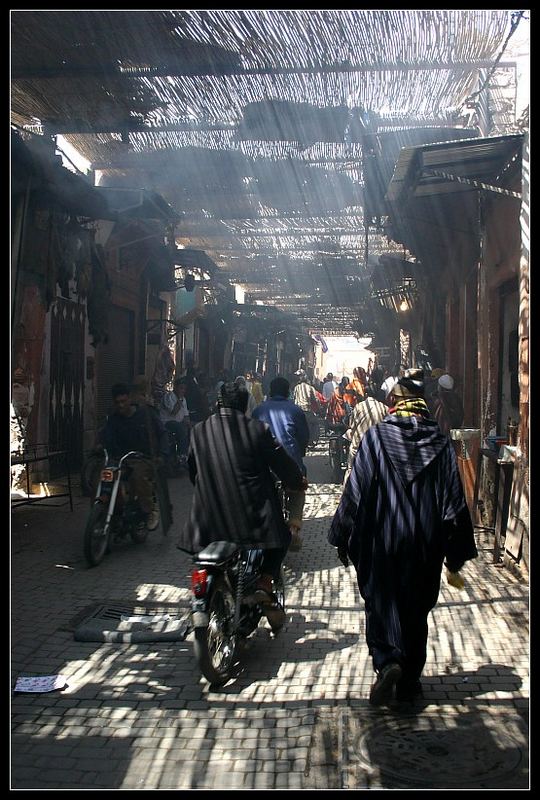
(401,516)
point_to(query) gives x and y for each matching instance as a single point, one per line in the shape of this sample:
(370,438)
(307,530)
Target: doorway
(66,404)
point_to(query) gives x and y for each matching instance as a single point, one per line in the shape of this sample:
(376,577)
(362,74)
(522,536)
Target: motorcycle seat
(217,552)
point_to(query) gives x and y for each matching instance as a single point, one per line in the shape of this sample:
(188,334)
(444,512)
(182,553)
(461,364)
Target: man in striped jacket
(232,464)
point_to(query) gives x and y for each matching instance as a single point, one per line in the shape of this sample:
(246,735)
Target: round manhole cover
(437,753)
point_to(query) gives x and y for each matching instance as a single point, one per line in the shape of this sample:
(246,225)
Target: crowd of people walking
(402,513)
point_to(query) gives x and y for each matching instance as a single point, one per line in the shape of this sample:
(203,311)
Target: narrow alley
(140,716)
(236,227)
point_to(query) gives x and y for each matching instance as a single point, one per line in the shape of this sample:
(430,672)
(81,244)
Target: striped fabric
(363,416)
(402,513)
(410,444)
(235,499)
(304,396)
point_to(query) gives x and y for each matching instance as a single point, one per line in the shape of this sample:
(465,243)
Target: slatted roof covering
(254,124)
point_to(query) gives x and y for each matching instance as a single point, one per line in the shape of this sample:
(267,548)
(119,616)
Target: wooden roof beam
(247,234)
(174,70)
(73,128)
(198,219)
(263,251)
(131,126)
(217,232)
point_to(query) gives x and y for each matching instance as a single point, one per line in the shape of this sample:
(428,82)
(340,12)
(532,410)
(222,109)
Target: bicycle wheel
(215,644)
(95,541)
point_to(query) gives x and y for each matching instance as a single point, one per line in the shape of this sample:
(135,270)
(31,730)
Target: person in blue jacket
(289,426)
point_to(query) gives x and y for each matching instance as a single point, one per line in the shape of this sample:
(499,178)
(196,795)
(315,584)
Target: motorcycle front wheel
(215,644)
(95,541)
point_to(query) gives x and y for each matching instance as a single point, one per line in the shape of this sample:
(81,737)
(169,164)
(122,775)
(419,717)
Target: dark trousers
(272,561)
(400,637)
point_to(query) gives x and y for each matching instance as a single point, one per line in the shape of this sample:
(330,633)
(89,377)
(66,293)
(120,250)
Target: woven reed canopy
(262,128)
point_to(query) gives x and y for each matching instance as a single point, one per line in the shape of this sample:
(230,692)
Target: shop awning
(190,258)
(138,203)
(449,167)
(190,317)
(35,159)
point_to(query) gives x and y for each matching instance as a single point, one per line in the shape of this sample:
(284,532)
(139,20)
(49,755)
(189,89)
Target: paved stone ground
(140,716)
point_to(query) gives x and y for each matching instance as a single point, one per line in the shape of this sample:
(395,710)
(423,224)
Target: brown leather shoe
(382,690)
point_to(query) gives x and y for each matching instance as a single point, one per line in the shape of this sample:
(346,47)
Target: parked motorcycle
(223,612)
(114,515)
(339,451)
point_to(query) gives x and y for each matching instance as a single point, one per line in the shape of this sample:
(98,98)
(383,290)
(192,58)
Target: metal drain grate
(133,623)
(446,748)
(442,750)
(117,612)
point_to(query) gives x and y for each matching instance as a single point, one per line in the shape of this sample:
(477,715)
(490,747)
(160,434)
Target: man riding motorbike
(138,428)
(231,462)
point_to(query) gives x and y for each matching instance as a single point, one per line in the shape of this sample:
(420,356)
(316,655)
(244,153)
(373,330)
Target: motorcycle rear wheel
(215,645)
(96,544)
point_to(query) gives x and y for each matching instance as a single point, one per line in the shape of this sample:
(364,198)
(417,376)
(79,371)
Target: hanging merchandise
(163,373)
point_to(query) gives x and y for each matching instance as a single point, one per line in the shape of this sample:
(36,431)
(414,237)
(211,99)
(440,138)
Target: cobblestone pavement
(140,716)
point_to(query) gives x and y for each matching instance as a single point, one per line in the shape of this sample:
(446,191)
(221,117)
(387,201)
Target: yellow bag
(455,579)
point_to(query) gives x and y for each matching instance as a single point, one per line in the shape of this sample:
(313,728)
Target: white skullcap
(446,382)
